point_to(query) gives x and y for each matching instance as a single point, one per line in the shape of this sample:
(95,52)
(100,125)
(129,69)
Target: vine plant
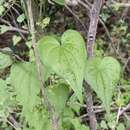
(66,58)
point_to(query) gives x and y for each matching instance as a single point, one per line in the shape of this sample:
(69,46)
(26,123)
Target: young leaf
(66,58)
(16,39)
(21,18)
(44,22)
(5,61)
(103,75)
(58,95)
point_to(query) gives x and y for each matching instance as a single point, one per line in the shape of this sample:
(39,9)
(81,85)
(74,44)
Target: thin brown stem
(76,17)
(89,108)
(11,28)
(94,17)
(11,120)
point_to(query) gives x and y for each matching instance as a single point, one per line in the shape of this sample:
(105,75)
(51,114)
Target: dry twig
(11,120)
(11,28)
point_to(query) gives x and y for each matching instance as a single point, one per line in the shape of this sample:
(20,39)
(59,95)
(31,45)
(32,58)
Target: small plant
(58,100)
(65,57)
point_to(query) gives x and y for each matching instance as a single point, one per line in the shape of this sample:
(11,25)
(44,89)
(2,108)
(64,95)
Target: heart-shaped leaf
(66,58)
(26,85)
(102,75)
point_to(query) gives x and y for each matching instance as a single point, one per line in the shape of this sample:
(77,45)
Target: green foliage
(105,14)
(3,93)
(103,75)
(44,22)
(27,92)
(121,127)
(60,2)
(58,95)
(5,100)
(3,97)
(71,122)
(38,119)
(21,18)
(2,9)
(5,61)
(66,58)
(73,104)
(64,68)
(103,125)
(4,28)
(77,125)
(16,39)
(26,86)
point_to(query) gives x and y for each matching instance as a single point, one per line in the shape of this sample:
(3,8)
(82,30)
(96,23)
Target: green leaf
(2,9)
(29,44)
(4,28)
(73,104)
(2,2)
(58,95)
(66,58)
(103,124)
(103,75)
(21,18)
(69,121)
(44,23)
(4,99)
(26,85)
(77,124)
(27,88)
(5,61)
(39,119)
(60,2)
(3,92)
(121,126)
(16,39)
